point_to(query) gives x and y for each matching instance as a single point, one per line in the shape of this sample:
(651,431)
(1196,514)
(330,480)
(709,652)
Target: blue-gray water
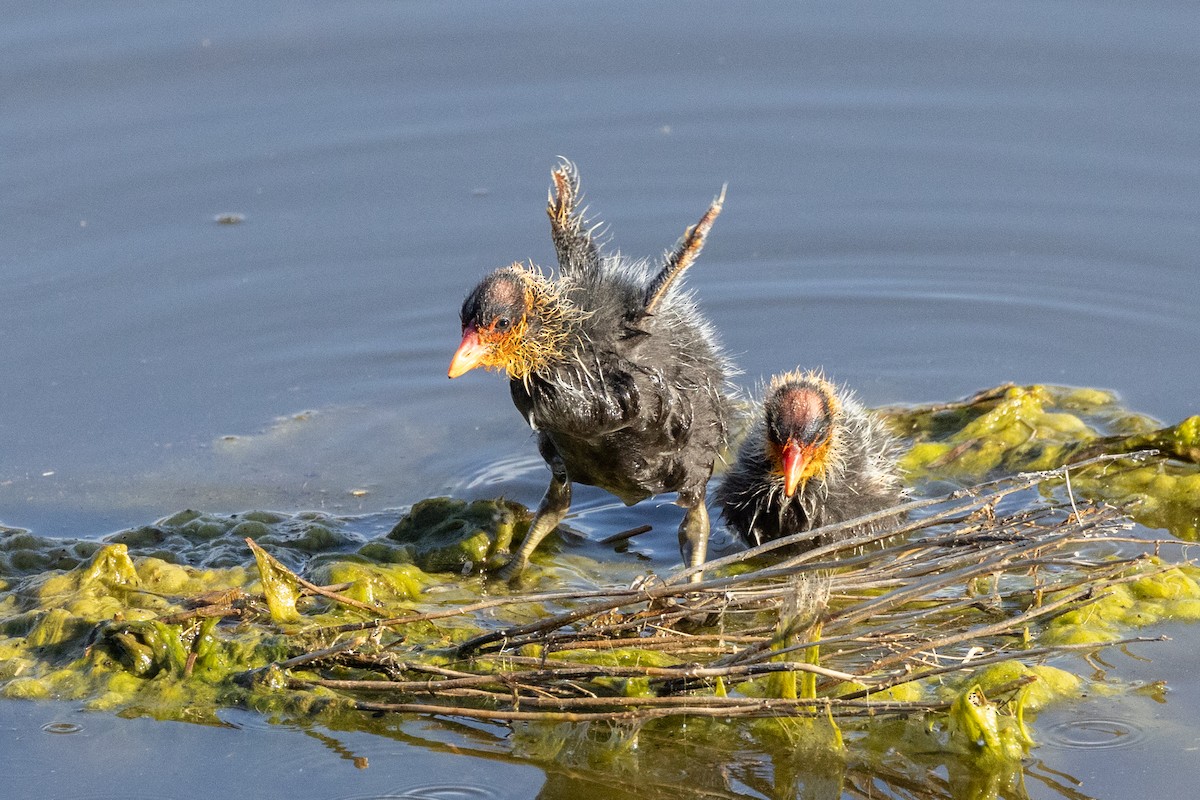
(925,198)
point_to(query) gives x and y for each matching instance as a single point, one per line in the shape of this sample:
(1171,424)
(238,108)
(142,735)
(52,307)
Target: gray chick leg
(693,534)
(550,513)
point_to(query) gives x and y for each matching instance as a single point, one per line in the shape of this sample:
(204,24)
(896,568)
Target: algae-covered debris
(929,638)
(442,534)
(1013,429)
(1159,594)
(162,617)
(280,587)
(1019,428)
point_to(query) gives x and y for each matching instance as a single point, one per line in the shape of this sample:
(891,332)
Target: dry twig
(954,588)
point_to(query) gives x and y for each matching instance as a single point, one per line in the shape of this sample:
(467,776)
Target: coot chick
(813,456)
(611,364)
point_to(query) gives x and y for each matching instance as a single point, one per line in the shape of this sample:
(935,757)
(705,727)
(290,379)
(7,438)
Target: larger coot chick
(613,367)
(813,456)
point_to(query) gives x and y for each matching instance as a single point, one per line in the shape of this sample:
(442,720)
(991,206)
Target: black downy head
(801,413)
(497,304)
(493,322)
(515,320)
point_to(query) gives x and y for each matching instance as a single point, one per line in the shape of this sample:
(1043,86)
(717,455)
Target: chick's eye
(503,324)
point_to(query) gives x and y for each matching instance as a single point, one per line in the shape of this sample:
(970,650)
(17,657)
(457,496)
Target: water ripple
(433,791)
(1094,734)
(447,791)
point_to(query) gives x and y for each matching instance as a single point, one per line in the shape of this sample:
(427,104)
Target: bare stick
(629,534)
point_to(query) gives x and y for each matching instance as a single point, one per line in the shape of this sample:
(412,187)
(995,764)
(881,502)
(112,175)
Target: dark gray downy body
(635,398)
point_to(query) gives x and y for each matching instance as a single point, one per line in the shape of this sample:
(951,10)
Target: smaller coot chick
(813,456)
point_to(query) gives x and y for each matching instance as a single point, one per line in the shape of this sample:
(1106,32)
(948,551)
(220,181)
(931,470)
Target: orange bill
(794,457)
(470,353)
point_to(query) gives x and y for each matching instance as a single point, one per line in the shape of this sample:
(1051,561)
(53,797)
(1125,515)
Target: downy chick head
(802,415)
(515,320)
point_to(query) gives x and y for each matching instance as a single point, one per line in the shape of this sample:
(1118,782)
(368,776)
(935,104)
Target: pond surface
(235,241)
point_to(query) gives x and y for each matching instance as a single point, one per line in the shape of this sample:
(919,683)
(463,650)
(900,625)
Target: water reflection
(620,762)
(340,750)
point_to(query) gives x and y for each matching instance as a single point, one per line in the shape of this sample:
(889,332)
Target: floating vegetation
(943,635)
(1011,429)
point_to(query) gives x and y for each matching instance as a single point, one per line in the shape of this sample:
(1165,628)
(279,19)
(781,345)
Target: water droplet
(61,727)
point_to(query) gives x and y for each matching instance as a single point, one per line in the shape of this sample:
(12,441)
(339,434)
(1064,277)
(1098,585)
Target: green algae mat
(1020,550)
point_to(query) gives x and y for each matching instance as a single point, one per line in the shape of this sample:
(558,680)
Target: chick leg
(553,508)
(693,533)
